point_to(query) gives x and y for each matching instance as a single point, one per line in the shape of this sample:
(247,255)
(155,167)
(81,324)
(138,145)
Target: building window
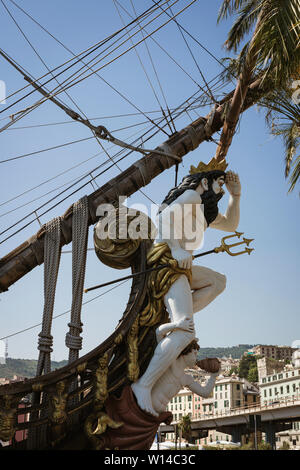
(265,393)
(270,392)
(281,390)
(287,389)
(238,387)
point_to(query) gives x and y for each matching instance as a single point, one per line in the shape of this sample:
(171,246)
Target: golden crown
(211,166)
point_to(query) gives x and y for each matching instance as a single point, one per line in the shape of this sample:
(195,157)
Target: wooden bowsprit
(224,247)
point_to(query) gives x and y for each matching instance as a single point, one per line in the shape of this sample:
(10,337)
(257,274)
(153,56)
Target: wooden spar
(30,254)
(236,104)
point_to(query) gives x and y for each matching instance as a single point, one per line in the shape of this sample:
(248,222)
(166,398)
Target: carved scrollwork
(96,425)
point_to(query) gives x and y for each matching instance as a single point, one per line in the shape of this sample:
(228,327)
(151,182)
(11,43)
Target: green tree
(264,446)
(234,370)
(283,119)
(246,363)
(185,426)
(273,55)
(253,373)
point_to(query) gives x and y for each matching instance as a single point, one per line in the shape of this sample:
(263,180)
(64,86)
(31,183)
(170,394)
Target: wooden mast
(30,254)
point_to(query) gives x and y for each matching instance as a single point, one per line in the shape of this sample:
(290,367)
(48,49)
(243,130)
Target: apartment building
(182,404)
(283,386)
(272,351)
(228,393)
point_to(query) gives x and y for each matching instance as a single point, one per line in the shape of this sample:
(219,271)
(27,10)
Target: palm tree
(273,52)
(283,118)
(185,427)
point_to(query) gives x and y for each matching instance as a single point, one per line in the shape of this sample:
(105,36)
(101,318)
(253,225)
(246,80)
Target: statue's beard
(210,201)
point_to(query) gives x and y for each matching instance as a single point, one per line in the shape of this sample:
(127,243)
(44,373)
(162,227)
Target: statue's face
(217,185)
(190,358)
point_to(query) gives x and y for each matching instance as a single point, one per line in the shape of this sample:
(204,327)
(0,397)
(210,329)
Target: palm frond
(283,118)
(275,44)
(229,7)
(295,173)
(276,39)
(243,24)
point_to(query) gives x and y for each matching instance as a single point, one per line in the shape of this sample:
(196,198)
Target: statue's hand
(186,324)
(233,184)
(183,257)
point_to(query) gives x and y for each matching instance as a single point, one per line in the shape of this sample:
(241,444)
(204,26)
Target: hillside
(27,367)
(24,367)
(234,351)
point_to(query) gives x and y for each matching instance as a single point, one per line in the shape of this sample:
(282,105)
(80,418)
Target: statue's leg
(207,285)
(179,304)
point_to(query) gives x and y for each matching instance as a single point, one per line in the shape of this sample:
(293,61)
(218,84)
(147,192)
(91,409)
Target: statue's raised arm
(230,220)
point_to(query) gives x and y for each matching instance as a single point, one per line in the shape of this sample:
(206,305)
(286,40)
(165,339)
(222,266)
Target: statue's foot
(143,397)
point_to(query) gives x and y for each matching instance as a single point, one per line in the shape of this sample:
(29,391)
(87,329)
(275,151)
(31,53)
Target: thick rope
(52,252)
(79,252)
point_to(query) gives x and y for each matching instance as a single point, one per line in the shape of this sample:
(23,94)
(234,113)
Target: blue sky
(261,301)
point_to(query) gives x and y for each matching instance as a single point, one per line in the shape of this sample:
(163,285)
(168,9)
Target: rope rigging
(88,51)
(60,89)
(63,313)
(81,187)
(56,91)
(112,139)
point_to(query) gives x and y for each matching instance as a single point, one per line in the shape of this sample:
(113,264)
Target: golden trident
(219,249)
(226,247)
